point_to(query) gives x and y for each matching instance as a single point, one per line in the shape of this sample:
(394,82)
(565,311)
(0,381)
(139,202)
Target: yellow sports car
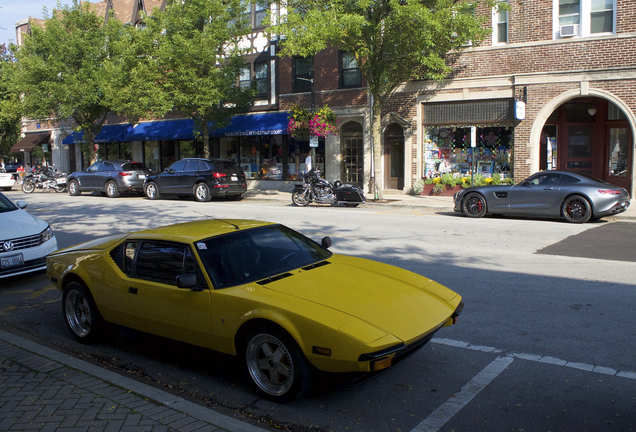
(283,303)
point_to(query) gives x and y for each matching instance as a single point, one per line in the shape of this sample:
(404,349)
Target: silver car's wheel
(276,365)
(73,188)
(152,191)
(111,189)
(576,209)
(299,200)
(474,205)
(80,313)
(202,192)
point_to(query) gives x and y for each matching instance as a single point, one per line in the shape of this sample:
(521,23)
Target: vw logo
(8,246)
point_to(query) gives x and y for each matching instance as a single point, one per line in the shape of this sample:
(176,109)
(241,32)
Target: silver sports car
(554,194)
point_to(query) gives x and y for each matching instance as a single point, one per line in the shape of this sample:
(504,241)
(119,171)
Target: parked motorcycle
(44,181)
(318,190)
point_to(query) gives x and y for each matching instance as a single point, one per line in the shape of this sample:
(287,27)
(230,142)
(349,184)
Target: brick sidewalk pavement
(44,390)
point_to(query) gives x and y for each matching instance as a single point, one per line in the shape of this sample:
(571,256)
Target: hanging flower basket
(304,123)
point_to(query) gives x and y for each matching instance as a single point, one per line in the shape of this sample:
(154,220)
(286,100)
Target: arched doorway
(394,157)
(351,144)
(590,135)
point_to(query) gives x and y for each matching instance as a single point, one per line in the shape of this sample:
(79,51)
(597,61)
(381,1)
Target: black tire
(112,191)
(73,188)
(276,365)
(6,188)
(201,192)
(152,191)
(576,209)
(80,313)
(351,204)
(474,205)
(28,187)
(59,188)
(235,197)
(299,200)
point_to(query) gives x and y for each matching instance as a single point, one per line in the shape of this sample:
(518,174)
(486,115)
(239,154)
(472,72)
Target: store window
(350,75)
(352,153)
(298,150)
(303,68)
(261,157)
(151,156)
(448,150)
(618,152)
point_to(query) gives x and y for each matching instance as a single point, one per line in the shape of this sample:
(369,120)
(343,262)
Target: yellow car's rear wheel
(276,365)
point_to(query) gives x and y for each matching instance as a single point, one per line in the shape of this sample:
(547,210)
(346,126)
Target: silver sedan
(572,196)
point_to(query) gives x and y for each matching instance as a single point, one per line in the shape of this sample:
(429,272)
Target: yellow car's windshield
(255,254)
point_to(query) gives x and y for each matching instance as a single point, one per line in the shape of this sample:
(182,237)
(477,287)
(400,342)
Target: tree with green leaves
(69,69)
(9,107)
(196,59)
(393,41)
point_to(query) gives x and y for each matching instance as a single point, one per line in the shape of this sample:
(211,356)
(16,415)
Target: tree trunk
(376,125)
(89,142)
(206,139)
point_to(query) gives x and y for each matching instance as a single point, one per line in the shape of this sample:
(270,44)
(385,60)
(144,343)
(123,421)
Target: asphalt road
(546,341)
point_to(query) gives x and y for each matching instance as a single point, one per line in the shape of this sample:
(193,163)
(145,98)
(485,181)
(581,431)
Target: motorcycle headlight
(46,235)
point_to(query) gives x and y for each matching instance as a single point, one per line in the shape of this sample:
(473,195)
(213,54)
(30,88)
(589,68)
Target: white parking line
(455,403)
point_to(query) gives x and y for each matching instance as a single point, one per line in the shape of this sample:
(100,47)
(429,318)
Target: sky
(16,10)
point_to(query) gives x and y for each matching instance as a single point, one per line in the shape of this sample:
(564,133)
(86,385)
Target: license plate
(11,261)
(142,176)
(234,178)
(60,181)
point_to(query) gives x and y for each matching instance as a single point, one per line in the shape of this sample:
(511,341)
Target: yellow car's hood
(397,301)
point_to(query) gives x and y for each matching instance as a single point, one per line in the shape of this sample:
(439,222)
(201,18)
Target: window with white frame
(245,77)
(583,18)
(499,27)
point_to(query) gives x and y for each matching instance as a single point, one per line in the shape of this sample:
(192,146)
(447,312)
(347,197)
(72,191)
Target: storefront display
(448,150)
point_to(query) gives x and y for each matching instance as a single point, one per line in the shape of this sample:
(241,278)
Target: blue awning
(109,133)
(183,129)
(255,124)
(162,130)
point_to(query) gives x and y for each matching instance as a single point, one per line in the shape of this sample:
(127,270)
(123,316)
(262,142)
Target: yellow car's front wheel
(276,365)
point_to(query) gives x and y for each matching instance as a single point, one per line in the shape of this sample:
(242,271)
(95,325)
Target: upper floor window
(350,75)
(303,72)
(584,17)
(245,77)
(499,27)
(261,76)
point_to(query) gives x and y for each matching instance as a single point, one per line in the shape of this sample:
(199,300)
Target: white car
(25,240)
(6,181)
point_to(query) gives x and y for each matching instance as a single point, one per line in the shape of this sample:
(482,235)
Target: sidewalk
(44,390)
(399,200)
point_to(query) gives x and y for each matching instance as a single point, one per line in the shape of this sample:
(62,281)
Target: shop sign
(520,110)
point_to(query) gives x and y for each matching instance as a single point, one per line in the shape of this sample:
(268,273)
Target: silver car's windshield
(256,254)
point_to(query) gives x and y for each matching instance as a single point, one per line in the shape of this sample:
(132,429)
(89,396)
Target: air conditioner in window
(569,30)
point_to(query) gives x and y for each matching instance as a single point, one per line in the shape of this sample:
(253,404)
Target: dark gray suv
(201,178)
(111,177)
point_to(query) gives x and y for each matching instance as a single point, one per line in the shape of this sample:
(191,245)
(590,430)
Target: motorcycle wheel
(60,188)
(28,187)
(299,200)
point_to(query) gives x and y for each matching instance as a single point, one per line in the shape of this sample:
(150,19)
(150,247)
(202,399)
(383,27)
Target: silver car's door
(536,195)
(87,178)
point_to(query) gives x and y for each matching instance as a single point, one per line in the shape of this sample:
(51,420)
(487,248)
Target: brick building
(553,88)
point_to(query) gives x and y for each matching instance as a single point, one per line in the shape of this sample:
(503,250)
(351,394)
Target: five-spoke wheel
(152,191)
(111,189)
(73,188)
(276,365)
(202,192)
(80,313)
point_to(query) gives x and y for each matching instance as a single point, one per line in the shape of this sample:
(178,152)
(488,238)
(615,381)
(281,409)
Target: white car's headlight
(46,235)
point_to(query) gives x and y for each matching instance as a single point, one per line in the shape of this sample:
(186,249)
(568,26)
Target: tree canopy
(196,59)
(393,41)
(9,107)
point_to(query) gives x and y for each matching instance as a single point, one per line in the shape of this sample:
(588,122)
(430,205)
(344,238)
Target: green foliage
(393,41)
(438,189)
(196,59)
(418,187)
(9,107)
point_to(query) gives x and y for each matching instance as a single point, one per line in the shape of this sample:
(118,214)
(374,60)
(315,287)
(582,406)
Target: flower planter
(448,190)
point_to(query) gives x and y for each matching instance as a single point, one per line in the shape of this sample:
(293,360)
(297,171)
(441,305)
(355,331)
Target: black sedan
(111,177)
(203,178)
(573,196)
